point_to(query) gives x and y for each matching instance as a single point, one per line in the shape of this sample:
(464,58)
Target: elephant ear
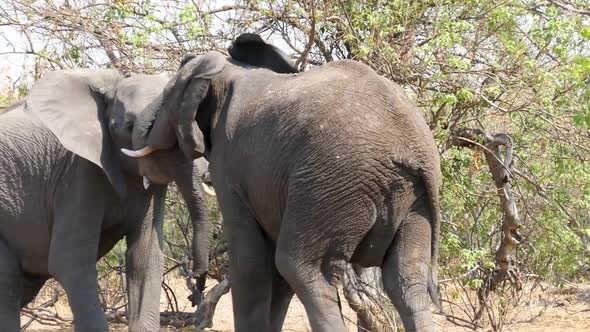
(250,49)
(72,105)
(181,99)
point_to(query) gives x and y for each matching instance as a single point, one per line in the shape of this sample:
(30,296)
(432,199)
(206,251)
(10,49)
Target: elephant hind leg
(406,269)
(10,290)
(318,294)
(313,248)
(282,293)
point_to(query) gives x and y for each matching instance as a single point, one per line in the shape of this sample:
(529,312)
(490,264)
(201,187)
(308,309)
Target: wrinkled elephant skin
(312,171)
(68,195)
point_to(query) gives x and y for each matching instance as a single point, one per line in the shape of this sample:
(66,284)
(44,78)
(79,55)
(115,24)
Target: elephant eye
(130,122)
(129,125)
(112,125)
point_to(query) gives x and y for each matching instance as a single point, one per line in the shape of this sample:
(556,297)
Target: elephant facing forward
(312,171)
(68,195)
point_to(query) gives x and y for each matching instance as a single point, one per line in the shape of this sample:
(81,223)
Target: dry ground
(566,309)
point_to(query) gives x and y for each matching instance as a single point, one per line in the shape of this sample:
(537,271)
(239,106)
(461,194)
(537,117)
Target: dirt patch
(547,309)
(566,309)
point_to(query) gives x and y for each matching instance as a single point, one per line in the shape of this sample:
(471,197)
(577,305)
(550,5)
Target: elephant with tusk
(68,195)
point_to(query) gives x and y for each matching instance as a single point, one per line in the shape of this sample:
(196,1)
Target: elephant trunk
(176,120)
(153,132)
(144,266)
(190,186)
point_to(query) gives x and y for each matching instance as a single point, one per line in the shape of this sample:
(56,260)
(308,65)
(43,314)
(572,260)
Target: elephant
(312,171)
(68,195)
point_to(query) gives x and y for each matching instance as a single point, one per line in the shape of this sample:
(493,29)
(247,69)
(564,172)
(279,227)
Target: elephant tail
(431,181)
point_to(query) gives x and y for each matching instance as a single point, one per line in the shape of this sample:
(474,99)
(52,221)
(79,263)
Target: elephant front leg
(144,264)
(250,269)
(72,262)
(10,289)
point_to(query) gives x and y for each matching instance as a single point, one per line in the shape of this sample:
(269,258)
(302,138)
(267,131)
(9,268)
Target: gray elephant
(312,171)
(68,195)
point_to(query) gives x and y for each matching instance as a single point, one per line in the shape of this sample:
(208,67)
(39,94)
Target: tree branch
(501,167)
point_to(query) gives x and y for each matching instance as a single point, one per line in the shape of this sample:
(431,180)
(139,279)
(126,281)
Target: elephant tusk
(146,183)
(209,190)
(139,153)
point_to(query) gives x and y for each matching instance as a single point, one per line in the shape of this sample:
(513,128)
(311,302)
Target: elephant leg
(144,266)
(312,265)
(78,278)
(74,250)
(281,298)
(250,269)
(31,287)
(319,232)
(10,290)
(318,294)
(406,269)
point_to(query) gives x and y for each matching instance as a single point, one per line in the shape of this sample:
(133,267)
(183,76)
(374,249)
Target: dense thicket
(518,67)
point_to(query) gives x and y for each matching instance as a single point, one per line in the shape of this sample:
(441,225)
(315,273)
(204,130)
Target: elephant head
(73,105)
(94,114)
(191,98)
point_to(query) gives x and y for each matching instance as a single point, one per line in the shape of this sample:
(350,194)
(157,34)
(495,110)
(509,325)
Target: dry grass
(548,309)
